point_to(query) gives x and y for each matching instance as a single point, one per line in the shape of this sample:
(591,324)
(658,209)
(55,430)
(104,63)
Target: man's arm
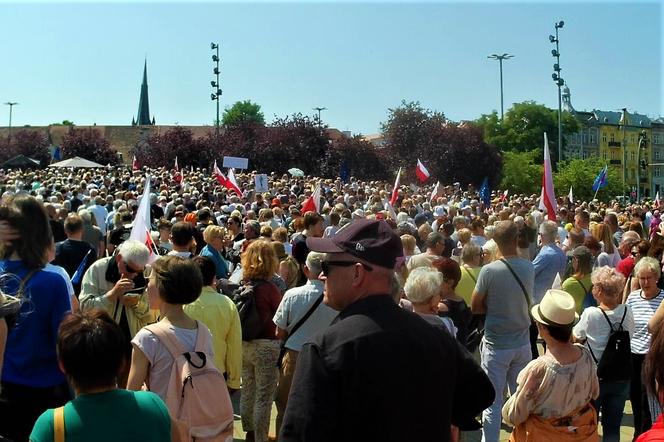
(478,303)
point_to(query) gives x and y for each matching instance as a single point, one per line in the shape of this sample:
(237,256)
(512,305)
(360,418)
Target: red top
(268,298)
(656,432)
(626,266)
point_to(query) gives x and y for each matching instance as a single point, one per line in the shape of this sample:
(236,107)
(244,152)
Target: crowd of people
(415,315)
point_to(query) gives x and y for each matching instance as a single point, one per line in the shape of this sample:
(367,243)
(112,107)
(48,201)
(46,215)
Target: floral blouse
(551,390)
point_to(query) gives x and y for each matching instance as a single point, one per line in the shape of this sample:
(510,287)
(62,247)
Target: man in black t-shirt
(72,252)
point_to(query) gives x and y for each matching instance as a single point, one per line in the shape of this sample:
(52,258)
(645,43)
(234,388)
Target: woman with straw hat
(552,400)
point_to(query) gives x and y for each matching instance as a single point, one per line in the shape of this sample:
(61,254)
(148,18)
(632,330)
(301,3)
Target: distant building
(143,118)
(658,156)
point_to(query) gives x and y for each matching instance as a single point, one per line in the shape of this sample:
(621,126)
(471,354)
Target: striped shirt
(643,309)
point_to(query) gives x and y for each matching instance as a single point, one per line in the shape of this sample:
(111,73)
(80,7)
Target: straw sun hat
(557,309)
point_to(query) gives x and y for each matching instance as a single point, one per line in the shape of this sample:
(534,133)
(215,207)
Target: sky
(83,61)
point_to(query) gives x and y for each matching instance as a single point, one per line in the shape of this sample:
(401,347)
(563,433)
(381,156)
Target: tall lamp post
(560,82)
(11,105)
(642,162)
(500,59)
(319,110)
(215,84)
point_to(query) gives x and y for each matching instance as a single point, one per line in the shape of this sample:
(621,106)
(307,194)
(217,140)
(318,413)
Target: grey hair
(610,280)
(313,263)
(469,251)
(549,230)
(422,284)
(648,263)
(134,252)
(85,215)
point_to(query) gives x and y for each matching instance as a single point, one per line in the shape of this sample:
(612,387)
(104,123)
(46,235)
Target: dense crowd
(417,313)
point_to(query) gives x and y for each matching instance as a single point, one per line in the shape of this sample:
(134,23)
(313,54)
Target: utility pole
(624,149)
(560,82)
(320,109)
(215,84)
(11,105)
(500,59)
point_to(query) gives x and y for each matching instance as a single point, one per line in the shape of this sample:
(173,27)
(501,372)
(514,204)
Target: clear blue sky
(83,61)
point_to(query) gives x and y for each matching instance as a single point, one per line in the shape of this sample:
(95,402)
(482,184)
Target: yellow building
(619,141)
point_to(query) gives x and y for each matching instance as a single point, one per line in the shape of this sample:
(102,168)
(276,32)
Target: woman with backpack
(595,327)
(166,353)
(260,347)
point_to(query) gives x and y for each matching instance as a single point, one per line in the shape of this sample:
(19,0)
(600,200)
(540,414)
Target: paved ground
(626,431)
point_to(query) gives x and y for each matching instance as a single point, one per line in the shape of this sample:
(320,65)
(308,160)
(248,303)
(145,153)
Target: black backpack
(616,361)
(245,300)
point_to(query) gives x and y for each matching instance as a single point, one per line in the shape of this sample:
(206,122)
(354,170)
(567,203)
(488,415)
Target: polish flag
(177,176)
(503,197)
(395,189)
(141,229)
(218,175)
(312,204)
(548,197)
(656,202)
(231,183)
(134,164)
(434,192)
(421,172)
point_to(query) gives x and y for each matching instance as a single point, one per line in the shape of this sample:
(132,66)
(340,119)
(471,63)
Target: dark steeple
(143,104)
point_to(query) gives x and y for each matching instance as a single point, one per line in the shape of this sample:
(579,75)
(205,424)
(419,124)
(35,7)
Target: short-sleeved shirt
(159,357)
(507,316)
(578,288)
(594,327)
(642,309)
(116,415)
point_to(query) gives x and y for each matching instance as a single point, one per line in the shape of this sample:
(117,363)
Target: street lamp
(500,59)
(641,163)
(319,109)
(11,105)
(214,96)
(559,82)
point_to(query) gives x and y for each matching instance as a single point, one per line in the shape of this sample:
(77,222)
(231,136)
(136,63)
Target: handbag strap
(59,424)
(525,292)
(585,291)
(470,274)
(304,318)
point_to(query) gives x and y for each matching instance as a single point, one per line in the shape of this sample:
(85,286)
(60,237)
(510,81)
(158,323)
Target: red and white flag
(395,189)
(434,192)
(134,164)
(656,202)
(177,176)
(312,204)
(231,183)
(548,197)
(421,172)
(218,175)
(141,229)
(503,197)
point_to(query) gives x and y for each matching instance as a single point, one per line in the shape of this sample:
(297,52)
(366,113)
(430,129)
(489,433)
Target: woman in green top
(579,284)
(91,353)
(471,259)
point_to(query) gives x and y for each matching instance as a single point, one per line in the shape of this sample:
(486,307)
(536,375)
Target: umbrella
(75,162)
(21,161)
(295,171)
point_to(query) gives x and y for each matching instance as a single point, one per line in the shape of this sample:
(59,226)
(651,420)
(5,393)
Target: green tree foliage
(88,144)
(31,143)
(450,151)
(523,128)
(243,112)
(521,173)
(580,174)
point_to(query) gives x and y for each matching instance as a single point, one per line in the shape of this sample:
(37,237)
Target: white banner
(236,163)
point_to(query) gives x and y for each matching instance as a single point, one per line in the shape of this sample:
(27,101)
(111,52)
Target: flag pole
(595,196)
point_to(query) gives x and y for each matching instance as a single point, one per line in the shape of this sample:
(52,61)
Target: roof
(21,161)
(75,162)
(615,118)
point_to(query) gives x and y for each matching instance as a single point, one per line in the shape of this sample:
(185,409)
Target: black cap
(373,241)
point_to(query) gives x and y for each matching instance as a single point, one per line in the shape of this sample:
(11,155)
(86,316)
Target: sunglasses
(131,269)
(327,265)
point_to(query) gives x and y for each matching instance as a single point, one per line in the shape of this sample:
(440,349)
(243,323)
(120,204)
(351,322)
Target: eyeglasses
(635,253)
(131,269)
(326,265)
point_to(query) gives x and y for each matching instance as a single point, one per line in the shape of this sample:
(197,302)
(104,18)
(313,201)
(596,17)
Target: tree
(162,149)
(88,144)
(358,157)
(523,128)
(243,112)
(520,172)
(33,144)
(451,151)
(580,174)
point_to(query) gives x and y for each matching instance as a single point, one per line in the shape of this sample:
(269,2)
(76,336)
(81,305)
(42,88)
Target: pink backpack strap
(166,337)
(202,337)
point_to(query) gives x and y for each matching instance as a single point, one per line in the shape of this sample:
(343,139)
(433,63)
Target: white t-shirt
(161,361)
(595,329)
(642,309)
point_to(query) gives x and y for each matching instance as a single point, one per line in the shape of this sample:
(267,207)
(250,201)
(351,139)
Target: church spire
(143,104)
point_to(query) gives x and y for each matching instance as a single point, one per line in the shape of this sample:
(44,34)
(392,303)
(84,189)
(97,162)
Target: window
(604,137)
(612,137)
(656,171)
(592,136)
(632,156)
(604,155)
(657,154)
(585,137)
(655,138)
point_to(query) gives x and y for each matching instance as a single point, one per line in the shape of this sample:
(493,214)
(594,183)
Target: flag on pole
(548,196)
(503,197)
(421,172)
(390,209)
(395,189)
(570,197)
(312,204)
(600,179)
(134,164)
(434,192)
(77,277)
(219,175)
(232,183)
(57,153)
(656,202)
(141,229)
(485,192)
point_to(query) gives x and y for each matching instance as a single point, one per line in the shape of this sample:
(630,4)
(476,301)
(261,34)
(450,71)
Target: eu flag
(600,180)
(485,192)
